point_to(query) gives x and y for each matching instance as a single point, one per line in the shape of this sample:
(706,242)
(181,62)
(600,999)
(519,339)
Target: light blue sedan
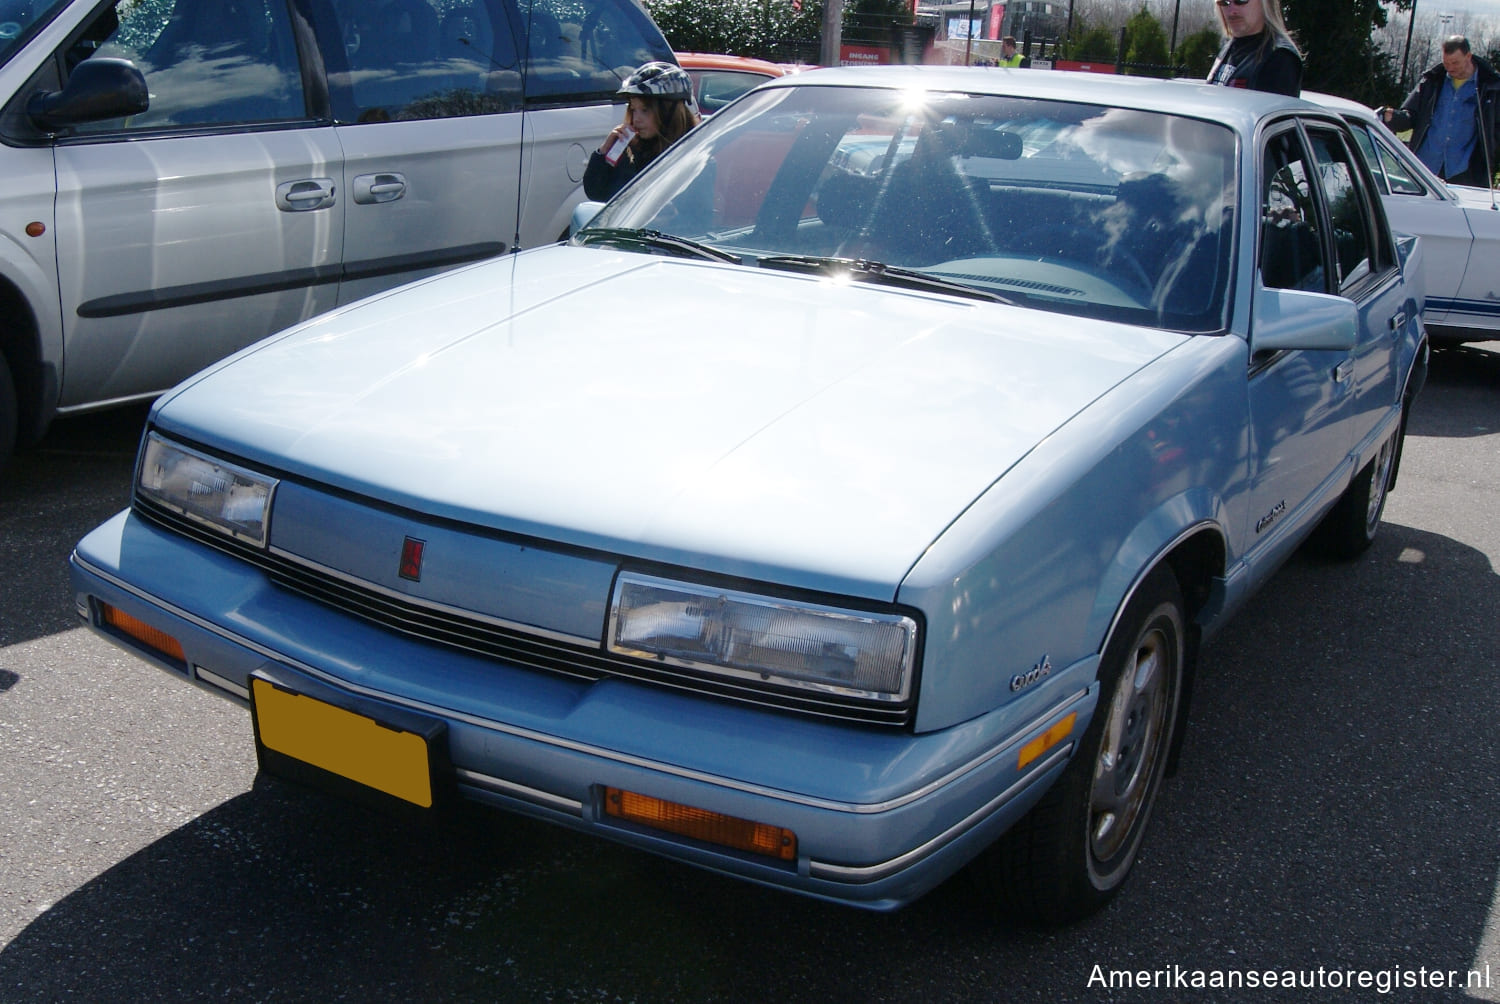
(827,528)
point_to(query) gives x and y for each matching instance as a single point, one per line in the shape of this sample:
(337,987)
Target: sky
(1475,8)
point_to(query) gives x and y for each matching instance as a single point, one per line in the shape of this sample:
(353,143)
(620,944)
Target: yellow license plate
(343,743)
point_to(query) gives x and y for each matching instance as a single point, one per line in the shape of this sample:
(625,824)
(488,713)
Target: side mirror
(583,215)
(97,89)
(1295,319)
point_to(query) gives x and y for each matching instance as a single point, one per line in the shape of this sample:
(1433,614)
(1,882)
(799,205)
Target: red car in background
(719,79)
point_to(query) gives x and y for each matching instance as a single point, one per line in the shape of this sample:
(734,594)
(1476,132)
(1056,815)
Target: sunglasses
(1226,3)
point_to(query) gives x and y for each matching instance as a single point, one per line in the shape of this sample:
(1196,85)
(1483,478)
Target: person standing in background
(1258,51)
(659,110)
(1451,115)
(1009,56)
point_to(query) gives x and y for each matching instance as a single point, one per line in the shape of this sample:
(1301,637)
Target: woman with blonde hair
(1258,51)
(659,109)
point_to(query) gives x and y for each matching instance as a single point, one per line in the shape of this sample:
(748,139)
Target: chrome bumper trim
(535,796)
(874,873)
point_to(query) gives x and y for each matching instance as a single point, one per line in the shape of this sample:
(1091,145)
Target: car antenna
(525,59)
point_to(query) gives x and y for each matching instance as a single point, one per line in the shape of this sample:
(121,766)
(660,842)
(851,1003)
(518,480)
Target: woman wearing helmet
(658,111)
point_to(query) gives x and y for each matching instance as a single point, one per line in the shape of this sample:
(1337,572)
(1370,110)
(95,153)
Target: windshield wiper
(879,273)
(657,241)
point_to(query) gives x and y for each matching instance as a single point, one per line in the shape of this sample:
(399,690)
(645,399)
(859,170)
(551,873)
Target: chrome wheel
(1075,848)
(1133,745)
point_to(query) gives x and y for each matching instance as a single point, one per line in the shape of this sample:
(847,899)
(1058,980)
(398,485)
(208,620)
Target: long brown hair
(673,117)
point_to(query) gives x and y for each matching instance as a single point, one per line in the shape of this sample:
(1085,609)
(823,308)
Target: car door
(1416,203)
(427,106)
(1477,302)
(1366,272)
(204,223)
(466,126)
(1301,400)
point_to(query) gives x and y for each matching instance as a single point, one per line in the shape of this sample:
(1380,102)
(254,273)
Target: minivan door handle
(305,195)
(373,188)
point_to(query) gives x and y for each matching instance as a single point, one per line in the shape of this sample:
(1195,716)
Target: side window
(582,49)
(206,62)
(1391,175)
(1291,250)
(1348,210)
(1368,150)
(1400,179)
(422,59)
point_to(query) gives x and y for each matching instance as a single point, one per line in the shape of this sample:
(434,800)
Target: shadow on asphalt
(50,496)
(1467,378)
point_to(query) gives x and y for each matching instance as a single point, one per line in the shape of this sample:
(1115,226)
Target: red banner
(997,20)
(863,55)
(1073,64)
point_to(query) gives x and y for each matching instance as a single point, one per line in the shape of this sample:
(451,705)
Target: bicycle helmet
(657,80)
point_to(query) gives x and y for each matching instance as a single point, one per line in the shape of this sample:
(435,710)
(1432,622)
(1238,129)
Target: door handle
(374,188)
(1343,371)
(1398,320)
(305,195)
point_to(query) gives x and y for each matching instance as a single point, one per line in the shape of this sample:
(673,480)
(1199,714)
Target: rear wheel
(1073,851)
(1350,526)
(7,413)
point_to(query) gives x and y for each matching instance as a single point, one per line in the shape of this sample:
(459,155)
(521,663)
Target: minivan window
(19,19)
(415,59)
(398,60)
(584,49)
(206,62)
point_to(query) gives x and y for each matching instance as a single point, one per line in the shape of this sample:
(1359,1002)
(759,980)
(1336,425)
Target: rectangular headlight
(229,499)
(722,631)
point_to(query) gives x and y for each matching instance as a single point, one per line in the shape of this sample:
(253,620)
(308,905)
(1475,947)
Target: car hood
(745,421)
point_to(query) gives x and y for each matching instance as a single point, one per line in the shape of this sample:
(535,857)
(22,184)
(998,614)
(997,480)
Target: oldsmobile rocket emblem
(411,559)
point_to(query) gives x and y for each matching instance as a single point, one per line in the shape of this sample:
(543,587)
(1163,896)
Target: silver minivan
(184,177)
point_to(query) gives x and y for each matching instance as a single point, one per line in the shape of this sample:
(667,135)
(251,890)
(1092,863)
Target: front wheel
(1073,851)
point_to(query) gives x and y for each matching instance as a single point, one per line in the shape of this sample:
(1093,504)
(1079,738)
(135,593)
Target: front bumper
(880,816)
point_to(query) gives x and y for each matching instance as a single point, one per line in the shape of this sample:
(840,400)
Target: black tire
(7,414)
(1073,851)
(1351,525)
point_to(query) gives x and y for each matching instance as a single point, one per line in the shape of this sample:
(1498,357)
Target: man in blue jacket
(1451,115)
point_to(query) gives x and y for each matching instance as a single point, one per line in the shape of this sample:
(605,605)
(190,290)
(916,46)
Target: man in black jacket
(1452,116)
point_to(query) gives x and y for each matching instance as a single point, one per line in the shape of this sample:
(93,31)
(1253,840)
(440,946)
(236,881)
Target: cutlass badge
(1271,516)
(1040,671)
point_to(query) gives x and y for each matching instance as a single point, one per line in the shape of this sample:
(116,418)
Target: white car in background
(1459,227)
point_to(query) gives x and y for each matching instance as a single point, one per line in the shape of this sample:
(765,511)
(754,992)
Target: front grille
(458,630)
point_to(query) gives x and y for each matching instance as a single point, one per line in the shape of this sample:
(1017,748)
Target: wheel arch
(1416,379)
(1187,533)
(33,374)
(1196,557)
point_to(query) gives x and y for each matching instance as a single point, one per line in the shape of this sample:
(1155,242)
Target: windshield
(1097,211)
(19,19)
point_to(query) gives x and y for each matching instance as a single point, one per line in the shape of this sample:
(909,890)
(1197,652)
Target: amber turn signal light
(700,824)
(157,641)
(1056,733)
